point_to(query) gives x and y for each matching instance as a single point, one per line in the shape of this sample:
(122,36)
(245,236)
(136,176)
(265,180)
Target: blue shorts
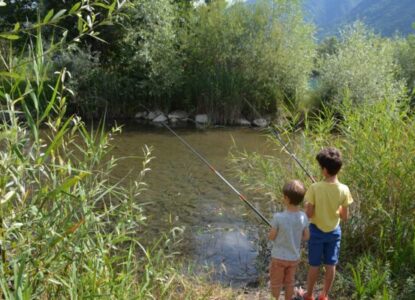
(323,246)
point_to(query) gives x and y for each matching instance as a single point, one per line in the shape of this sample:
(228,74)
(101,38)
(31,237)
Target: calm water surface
(221,232)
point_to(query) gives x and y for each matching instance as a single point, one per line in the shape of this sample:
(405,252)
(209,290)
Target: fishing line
(217,173)
(276,134)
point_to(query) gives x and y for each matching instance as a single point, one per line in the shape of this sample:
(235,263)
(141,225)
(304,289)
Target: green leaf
(102,5)
(58,14)
(48,16)
(80,25)
(56,141)
(51,101)
(70,182)
(7,197)
(11,75)
(16,27)
(30,120)
(112,7)
(75,7)
(9,36)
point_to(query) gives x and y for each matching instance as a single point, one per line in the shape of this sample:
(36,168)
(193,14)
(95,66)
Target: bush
(67,230)
(262,52)
(149,48)
(363,66)
(405,55)
(371,279)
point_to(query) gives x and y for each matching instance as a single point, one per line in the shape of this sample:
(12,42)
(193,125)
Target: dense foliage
(405,55)
(209,58)
(262,52)
(55,188)
(205,58)
(362,65)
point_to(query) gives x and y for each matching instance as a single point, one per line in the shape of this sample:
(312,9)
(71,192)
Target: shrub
(405,55)
(149,51)
(363,66)
(262,52)
(371,279)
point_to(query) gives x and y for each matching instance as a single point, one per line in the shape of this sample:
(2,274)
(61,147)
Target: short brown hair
(295,191)
(331,159)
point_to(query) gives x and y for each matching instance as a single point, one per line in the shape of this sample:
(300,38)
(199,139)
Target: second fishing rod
(217,173)
(276,134)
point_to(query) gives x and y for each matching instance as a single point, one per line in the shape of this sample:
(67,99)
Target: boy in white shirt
(289,228)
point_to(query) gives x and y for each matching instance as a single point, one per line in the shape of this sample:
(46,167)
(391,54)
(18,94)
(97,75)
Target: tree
(149,47)
(262,52)
(405,54)
(363,67)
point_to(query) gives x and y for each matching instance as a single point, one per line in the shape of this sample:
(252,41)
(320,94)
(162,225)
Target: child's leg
(315,254)
(276,274)
(331,257)
(328,279)
(289,292)
(312,277)
(289,279)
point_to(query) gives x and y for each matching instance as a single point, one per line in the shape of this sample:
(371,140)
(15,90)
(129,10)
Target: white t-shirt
(290,227)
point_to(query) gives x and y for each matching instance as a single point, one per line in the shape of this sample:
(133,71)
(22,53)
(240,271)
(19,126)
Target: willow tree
(149,47)
(262,52)
(405,54)
(139,61)
(363,68)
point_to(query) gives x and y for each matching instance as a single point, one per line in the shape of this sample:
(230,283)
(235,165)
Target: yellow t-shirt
(327,199)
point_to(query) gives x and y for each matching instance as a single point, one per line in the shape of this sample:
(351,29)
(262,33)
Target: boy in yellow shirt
(327,202)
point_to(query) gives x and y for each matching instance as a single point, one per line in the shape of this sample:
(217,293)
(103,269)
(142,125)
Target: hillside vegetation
(386,17)
(326,12)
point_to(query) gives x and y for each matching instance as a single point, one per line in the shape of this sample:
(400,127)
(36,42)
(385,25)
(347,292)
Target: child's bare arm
(306,234)
(272,234)
(309,210)
(344,213)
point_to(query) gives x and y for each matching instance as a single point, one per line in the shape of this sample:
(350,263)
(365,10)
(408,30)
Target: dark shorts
(323,246)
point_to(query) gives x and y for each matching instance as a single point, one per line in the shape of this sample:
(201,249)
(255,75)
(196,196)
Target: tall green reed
(68,229)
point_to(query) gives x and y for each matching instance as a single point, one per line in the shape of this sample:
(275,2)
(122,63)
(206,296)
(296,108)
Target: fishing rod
(217,173)
(276,134)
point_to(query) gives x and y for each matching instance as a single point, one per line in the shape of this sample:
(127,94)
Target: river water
(222,235)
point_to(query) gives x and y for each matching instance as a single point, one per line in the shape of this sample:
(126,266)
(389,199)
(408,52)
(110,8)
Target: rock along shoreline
(157,117)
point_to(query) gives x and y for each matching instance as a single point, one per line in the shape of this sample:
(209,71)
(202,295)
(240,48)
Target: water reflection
(231,253)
